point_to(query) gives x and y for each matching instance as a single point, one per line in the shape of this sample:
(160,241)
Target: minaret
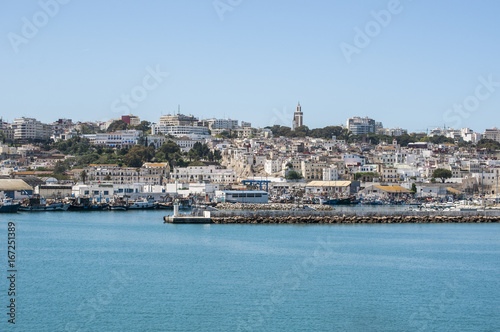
(297,117)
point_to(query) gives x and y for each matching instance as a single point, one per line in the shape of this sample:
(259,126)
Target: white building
(338,188)
(29,128)
(187,189)
(149,173)
(156,140)
(243,196)
(105,191)
(360,126)
(192,132)
(119,139)
(185,143)
(354,159)
(210,173)
(272,166)
(492,134)
(225,124)
(331,173)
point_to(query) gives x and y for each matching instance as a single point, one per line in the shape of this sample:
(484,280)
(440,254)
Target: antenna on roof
(178,109)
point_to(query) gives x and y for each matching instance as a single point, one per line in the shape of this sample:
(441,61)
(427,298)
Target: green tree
(413,188)
(360,174)
(301,131)
(442,174)
(86,130)
(144,126)
(293,175)
(117,125)
(169,148)
(59,167)
(138,155)
(488,144)
(83,176)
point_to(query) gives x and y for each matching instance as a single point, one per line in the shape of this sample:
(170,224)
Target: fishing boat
(166,205)
(37,204)
(185,204)
(118,207)
(85,204)
(7,205)
(342,201)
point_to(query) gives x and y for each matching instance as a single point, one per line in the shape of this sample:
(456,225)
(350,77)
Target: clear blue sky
(255,63)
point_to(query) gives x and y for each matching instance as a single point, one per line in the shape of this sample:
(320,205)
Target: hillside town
(226,160)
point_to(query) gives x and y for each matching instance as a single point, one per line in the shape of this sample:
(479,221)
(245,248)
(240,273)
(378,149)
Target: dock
(187,220)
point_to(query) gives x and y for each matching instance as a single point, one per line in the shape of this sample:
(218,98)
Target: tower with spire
(297,117)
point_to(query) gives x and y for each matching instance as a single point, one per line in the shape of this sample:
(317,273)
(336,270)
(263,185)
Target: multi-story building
(330,174)
(360,126)
(156,140)
(185,143)
(210,173)
(7,130)
(178,120)
(354,159)
(492,134)
(392,131)
(149,173)
(245,132)
(192,132)
(29,128)
(272,166)
(132,120)
(224,124)
(312,170)
(119,139)
(390,175)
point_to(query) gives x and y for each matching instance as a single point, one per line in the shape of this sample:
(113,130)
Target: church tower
(297,117)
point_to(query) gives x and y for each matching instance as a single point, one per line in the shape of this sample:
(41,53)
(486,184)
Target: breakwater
(353,220)
(353,217)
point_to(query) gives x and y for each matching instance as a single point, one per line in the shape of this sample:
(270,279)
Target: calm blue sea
(127,271)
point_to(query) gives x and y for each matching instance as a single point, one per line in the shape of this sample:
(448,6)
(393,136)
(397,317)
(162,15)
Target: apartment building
(29,128)
(149,173)
(210,173)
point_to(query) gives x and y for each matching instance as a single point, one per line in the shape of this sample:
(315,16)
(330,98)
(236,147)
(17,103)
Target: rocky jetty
(270,207)
(332,219)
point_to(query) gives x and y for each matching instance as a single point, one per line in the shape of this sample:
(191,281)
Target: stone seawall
(346,219)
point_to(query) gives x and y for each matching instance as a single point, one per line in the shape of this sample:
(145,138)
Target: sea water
(127,271)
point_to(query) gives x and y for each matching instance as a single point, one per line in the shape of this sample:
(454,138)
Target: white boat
(143,204)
